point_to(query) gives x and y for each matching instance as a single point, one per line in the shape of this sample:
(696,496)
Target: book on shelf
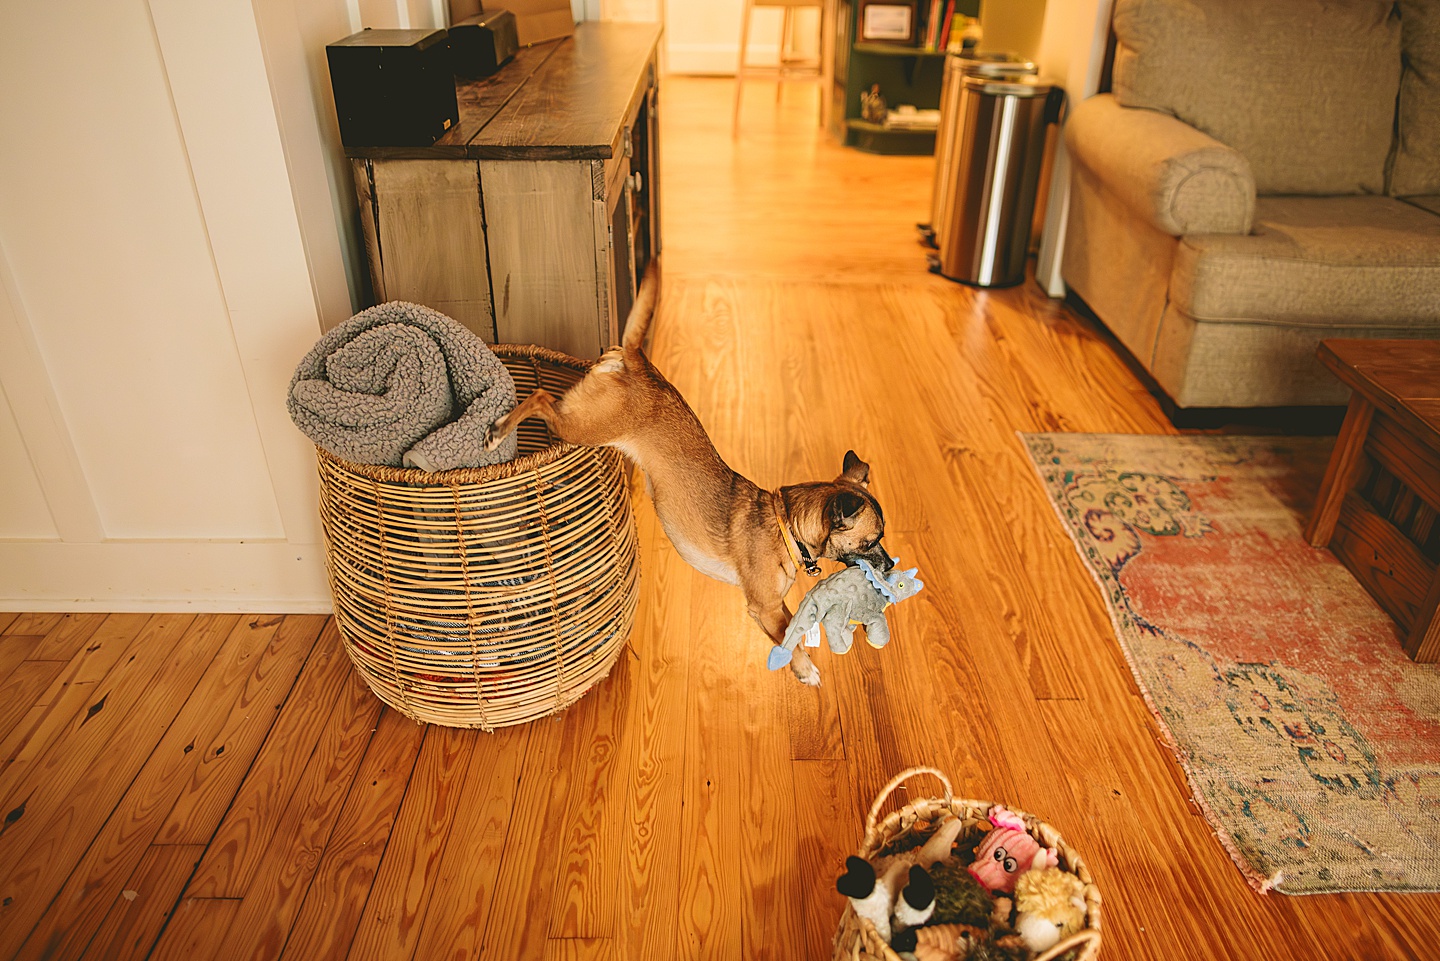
(907,117)
(947,21)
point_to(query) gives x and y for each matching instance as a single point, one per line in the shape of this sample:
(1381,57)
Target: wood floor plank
(763,206)
(58,706)
(773,911)
(6,619)
(1077,366)
(141,909)
(872,749)
(1042,655)
(708,920)
(582,949)
(69,637)
(400,896)
(71,792)
(14,649)
(650,875)
(255,661)
(587,883)
(29,623)
(828,832)
(463,889)
(525,890)
(254,726)
(235,847)
(1400,923)
(190,933)
(21,689)
(812,713)
(813,720)
(272,895)
(340,889)
(255,686)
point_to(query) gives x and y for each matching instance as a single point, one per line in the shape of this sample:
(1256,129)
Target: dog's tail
(638,323)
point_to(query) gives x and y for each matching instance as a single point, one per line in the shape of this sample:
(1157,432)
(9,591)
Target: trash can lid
(1018,86)
(994,64)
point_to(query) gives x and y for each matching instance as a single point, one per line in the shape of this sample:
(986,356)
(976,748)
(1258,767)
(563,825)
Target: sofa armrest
(1170,174)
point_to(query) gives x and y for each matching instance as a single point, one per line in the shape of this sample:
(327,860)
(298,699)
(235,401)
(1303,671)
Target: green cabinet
(906,75)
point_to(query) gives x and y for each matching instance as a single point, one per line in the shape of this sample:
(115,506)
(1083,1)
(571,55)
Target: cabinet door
(540,227)
(425,236)
(644,193)
(635,222)
(622,262)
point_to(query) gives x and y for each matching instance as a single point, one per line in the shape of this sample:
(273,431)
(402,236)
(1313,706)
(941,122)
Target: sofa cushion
(1305,89)
(1430,203)
(1415,168)
(1316,261)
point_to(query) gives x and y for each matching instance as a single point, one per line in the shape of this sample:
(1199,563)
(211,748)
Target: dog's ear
(844,507)
(855,470)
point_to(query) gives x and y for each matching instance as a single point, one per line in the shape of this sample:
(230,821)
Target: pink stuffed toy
(1007,852)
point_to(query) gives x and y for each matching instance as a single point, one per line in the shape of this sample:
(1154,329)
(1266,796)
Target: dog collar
(799,554)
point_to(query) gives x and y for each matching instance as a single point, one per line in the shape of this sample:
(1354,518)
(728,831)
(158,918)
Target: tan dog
(721,523)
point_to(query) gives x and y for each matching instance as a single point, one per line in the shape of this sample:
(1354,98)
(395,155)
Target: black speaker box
(481,44)
(393,88)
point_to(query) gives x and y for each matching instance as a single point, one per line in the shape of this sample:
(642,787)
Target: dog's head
(842,520)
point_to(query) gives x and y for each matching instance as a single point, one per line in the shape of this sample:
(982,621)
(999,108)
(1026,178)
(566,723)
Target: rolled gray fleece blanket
(405,386)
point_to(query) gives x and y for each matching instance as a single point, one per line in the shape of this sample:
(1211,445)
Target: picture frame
(888,22)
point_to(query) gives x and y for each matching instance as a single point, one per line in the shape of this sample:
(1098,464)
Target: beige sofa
(1262,175)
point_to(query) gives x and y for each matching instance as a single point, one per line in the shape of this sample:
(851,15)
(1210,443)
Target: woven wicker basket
(491,596)
(857,939)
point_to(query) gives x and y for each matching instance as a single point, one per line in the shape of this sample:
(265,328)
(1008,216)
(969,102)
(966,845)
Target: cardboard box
(535,20)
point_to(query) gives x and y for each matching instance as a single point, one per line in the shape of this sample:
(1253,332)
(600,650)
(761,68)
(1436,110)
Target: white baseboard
(258,577)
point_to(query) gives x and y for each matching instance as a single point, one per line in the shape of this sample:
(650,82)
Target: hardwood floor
(214,786)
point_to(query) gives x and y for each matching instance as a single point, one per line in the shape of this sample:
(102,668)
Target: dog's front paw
(806,672)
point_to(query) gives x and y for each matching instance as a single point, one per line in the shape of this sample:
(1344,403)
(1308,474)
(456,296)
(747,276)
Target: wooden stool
(790,66)
(1379,505)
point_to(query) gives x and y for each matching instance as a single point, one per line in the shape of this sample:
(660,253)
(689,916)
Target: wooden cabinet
(533,219)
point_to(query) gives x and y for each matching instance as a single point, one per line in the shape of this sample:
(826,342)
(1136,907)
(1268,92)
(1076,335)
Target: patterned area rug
(1310,740)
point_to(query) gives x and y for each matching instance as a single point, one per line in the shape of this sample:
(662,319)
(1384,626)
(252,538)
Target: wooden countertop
(562,100)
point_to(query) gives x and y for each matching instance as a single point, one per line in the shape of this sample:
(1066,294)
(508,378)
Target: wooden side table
(1379,505)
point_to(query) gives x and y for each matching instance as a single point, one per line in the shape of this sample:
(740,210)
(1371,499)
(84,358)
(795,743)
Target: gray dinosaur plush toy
(856,596)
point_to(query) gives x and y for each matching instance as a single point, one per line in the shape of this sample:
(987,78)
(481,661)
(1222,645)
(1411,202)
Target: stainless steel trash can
(958,66)
(998,156)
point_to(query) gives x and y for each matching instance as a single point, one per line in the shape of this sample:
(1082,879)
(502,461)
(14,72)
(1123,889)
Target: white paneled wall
(114,279)
(24,514)
(157,286)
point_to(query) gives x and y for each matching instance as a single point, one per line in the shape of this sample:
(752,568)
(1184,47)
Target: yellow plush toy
(1049,906)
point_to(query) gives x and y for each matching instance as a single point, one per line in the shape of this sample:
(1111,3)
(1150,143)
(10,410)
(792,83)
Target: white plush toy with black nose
(896,892)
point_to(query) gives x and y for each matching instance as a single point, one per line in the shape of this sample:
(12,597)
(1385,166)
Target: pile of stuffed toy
(999,896)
